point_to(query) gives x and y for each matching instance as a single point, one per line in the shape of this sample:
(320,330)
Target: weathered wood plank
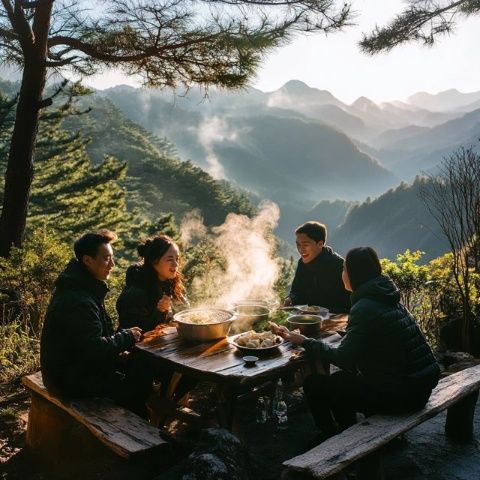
(220,360)
(121,430)
(333,455)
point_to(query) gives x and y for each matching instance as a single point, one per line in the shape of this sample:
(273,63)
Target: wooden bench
(60,429)
(363,442)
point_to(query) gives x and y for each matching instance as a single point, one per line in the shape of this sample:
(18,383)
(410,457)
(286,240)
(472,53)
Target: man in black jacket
(79,350)
(318,278)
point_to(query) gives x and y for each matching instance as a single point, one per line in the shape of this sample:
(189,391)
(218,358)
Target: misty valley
(358,168)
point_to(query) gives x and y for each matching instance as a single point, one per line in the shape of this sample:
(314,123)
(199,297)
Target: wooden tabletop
(220,361)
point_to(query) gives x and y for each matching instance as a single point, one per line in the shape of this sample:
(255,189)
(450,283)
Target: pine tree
(69,194)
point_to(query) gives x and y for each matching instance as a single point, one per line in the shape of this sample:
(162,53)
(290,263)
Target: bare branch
(452,196)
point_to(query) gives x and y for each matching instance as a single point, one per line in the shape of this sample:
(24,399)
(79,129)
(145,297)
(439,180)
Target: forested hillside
(157,180)
(395,221)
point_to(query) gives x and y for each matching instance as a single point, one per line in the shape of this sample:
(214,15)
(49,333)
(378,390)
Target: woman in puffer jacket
(386,364)
(152,286)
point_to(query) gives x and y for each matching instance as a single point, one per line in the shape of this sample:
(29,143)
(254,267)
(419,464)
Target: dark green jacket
(383,342)
(319,282)
(137,304)
(78,349)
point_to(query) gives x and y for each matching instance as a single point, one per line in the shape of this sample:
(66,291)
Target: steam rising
(214,129)
(192,227)
(247,246)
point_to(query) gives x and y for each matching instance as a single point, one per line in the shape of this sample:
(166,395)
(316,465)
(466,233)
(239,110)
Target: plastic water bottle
(282,415)
(261,411)
(278,396)
(268,407)
(280,407)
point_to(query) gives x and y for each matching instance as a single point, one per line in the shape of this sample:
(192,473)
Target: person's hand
(278,329)
(288,302)
(164,304)
(137,333)
(292,337)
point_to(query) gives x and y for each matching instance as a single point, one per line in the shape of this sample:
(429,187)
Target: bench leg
(47,427)
(459,424)
(371,467)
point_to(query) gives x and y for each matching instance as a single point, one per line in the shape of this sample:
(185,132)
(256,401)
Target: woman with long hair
(387,365)
(153,286)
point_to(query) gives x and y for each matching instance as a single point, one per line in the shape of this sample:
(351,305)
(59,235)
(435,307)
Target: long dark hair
(362,265)
(151,250)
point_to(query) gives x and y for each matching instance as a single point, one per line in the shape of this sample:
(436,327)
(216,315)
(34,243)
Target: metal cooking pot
(219,324)
(247,314)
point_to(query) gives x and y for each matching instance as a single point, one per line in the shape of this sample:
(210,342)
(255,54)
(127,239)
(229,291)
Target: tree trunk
(466,320)
(19,174)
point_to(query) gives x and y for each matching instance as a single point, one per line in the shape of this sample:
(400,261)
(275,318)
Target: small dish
(250,360)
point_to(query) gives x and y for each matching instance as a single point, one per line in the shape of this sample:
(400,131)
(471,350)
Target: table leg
(226,399)
(172,386)
(163,407)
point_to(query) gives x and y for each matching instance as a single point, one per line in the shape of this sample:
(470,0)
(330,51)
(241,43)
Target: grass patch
(8,413)
(19,351)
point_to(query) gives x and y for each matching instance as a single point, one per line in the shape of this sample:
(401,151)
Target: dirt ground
(425,454)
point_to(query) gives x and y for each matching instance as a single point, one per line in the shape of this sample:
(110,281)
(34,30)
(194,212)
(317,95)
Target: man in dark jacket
(318,278)
(79,350)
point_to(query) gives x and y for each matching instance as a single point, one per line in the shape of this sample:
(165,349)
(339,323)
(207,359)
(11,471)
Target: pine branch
(422,20)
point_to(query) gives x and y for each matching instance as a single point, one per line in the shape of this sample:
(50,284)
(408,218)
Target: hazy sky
(335,63)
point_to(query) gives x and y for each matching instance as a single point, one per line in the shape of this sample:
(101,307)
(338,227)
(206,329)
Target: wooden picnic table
(221,363)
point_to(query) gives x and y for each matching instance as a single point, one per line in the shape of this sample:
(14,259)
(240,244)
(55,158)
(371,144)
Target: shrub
(428,291)
(31,272)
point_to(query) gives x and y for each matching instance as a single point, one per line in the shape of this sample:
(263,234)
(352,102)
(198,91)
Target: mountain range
(352,166)
(317,156)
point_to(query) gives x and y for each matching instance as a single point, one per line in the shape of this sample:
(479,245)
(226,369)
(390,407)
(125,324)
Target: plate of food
(256,341)
(313,310)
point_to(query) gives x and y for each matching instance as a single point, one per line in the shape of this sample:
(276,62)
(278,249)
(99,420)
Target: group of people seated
(386,363)
(81,355)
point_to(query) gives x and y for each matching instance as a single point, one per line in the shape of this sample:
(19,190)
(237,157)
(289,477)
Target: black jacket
(383,342)
(78,348)
(137,304)
(319,282)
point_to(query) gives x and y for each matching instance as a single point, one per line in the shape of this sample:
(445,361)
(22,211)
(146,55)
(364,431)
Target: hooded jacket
(78,347)
(319,282)
(137,304)
(383,342)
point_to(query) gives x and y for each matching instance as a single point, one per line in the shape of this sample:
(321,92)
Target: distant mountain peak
(296,89)
(296,86)
(365,104)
